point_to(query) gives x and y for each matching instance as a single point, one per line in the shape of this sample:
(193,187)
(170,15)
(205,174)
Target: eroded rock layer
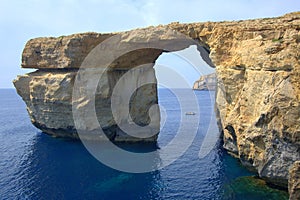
(258,91)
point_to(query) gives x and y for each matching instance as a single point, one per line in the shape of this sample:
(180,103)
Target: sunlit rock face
(258,88)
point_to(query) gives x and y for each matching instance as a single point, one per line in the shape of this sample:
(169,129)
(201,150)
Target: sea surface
(34,165)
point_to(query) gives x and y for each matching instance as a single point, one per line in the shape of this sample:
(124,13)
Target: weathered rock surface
(258,90)
(62,52)
(294,181)
(206,82)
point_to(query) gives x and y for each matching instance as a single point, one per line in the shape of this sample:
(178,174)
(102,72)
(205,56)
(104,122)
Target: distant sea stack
(206,82)
(257,97)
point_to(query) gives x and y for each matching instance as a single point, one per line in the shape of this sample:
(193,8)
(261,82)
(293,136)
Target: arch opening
(177,73)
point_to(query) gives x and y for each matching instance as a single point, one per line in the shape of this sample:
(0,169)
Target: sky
(25,19)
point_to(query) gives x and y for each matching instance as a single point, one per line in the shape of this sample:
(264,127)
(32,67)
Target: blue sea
(34,165)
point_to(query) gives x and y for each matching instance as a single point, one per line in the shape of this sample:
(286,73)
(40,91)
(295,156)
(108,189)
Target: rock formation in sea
(206,82)
(257,98)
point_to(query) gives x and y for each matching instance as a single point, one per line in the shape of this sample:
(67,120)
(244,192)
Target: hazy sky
(25,19)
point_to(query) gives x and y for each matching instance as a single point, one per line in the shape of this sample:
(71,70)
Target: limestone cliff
(206,82)
(258,90)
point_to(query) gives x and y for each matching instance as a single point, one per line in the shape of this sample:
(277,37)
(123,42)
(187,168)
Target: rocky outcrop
(294,181)
(258,90)
(206,82)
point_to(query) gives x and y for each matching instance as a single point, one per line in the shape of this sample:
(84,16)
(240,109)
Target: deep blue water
(34,165)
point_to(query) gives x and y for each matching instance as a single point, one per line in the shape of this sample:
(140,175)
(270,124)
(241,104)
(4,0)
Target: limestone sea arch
(257,98)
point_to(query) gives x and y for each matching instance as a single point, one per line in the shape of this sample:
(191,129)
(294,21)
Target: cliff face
(258,90)
(294,181)
(206,82)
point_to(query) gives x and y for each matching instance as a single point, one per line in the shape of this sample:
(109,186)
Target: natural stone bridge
(257,98)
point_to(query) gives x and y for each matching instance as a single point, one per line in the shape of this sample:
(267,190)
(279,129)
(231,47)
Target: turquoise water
(36,166)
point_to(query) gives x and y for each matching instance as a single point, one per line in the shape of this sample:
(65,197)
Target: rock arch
(257,65)
(59,59)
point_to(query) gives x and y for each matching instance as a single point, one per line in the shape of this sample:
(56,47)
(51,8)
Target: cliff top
(228,42)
